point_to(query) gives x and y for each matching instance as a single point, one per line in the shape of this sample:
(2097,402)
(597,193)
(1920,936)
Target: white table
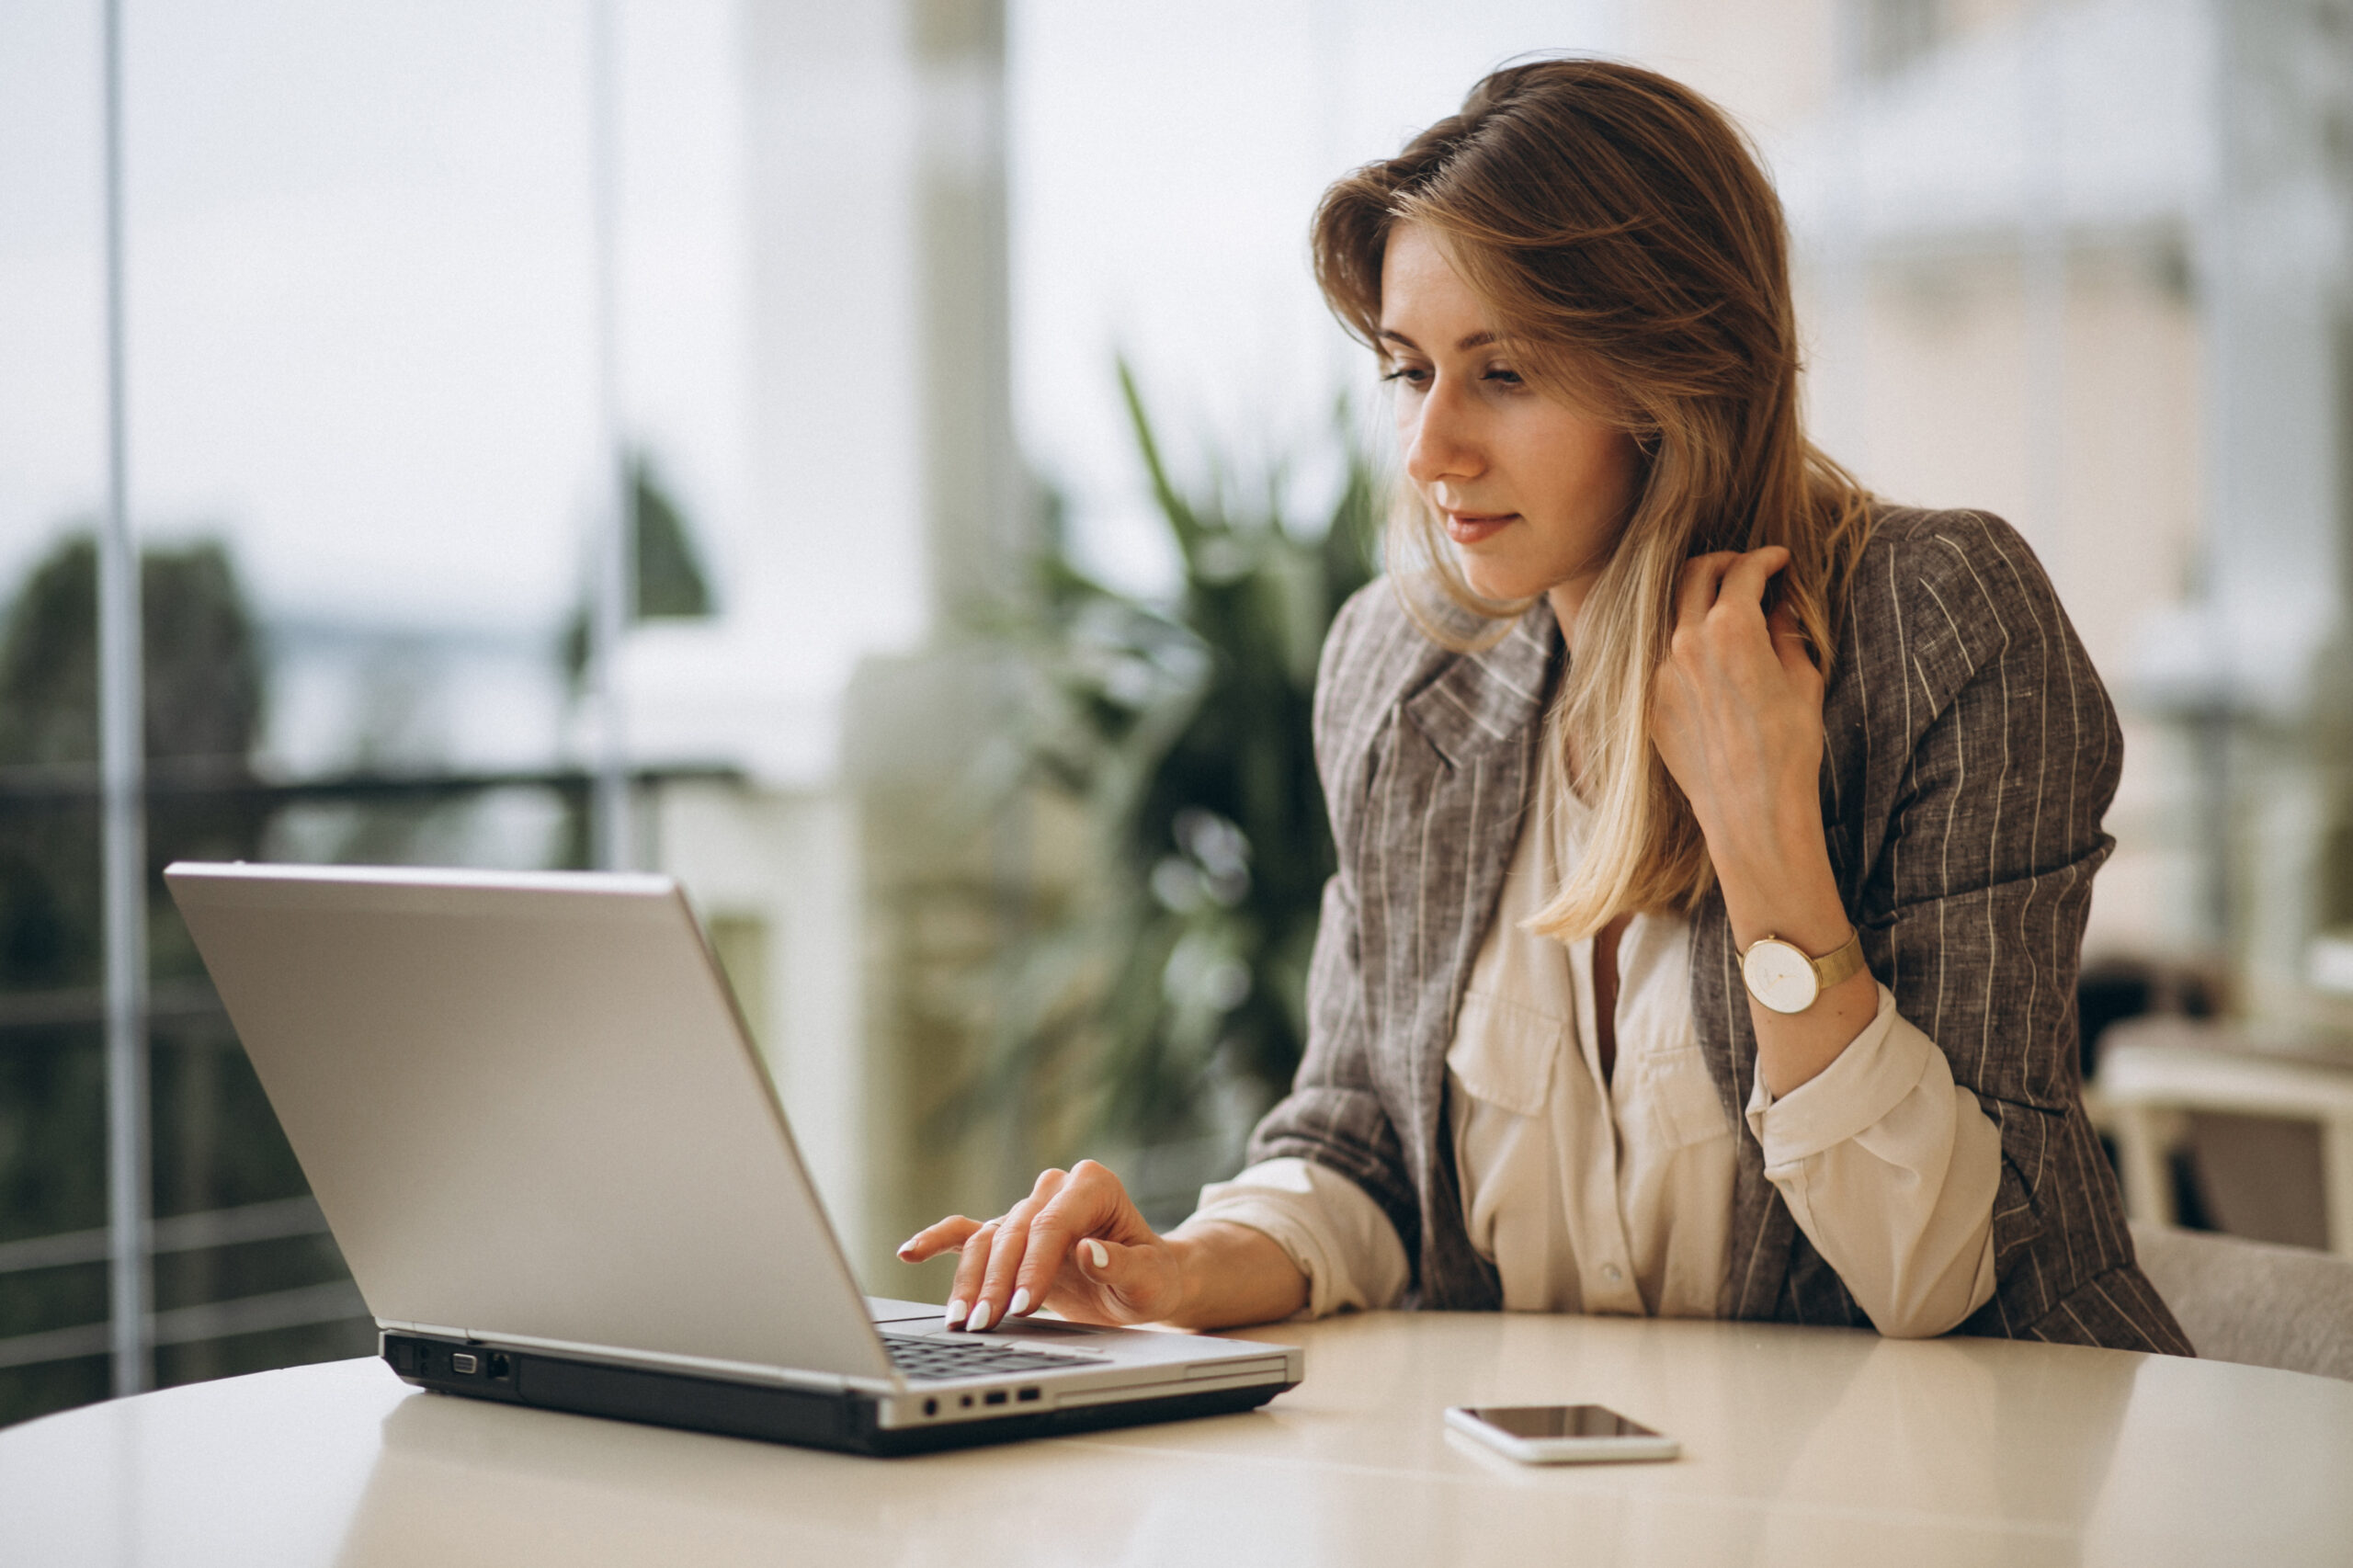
(1801,1446)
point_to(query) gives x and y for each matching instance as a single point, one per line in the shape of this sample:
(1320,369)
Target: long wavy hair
(1632,255)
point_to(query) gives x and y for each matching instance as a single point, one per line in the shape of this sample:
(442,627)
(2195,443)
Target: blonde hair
(1627,247)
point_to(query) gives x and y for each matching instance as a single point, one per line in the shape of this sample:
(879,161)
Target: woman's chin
(1499,587)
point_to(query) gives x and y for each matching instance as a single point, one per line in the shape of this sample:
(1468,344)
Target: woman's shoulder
(1937,597)
(1926,556)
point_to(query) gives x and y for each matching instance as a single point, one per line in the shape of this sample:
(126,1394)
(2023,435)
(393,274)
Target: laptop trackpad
(915,1317)
(886,1308)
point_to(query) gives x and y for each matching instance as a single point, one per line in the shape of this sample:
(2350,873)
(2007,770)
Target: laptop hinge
(701,1366)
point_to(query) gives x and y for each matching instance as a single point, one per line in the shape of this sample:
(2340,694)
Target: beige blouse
(1616,1196)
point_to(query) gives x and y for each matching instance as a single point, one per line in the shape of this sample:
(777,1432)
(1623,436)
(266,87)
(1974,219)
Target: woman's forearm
(1787,890)
(1232,1275)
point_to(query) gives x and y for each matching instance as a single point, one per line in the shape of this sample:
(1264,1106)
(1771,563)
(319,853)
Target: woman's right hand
(1076,1243)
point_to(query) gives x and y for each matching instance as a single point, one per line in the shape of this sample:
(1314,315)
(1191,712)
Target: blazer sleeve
(1976,846)
(1335,1114)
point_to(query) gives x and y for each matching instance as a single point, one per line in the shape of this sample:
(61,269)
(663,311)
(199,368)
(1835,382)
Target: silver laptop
(539,1129)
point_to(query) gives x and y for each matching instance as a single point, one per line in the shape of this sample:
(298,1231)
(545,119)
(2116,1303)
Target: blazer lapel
(1447,799)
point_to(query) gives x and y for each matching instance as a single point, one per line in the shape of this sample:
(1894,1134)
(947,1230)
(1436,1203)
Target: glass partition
(372,444)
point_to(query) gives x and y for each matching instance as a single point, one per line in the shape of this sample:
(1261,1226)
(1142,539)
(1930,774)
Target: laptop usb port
(1028,1395)
(994,1396)
(463,1362)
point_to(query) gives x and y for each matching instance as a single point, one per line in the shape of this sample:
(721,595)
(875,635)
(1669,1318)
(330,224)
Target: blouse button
(1610,1272)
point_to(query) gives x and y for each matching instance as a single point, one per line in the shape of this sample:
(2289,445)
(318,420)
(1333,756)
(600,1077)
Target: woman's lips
(1470,528)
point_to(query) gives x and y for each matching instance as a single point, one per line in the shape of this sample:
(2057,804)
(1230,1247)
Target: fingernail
(909,1244)
(1019,1304)
(955,1312)
(979,1319)
(1096,1258)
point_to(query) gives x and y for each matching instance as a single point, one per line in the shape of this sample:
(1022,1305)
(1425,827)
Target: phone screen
(1560,1421)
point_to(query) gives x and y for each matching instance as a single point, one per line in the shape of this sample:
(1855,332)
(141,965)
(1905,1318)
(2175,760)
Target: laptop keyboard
(933,1359)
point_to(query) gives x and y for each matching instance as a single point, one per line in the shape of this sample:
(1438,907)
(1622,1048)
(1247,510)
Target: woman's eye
(1508,378)
(1412,375)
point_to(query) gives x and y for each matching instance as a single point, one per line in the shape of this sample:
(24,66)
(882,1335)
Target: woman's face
(1533,492)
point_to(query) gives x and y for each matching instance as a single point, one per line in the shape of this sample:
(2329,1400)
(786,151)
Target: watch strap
(1843,965)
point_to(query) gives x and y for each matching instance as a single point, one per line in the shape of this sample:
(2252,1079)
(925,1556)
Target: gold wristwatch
(1780,975)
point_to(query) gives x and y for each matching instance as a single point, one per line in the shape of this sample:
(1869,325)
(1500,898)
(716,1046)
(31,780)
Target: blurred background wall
(960,682)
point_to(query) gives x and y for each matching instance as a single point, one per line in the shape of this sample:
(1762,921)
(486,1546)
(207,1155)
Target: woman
(1714,841)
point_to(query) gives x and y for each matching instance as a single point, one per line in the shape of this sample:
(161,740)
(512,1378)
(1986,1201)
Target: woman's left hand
(1736,715)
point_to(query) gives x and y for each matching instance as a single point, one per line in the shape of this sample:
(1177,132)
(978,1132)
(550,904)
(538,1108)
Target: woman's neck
(1567,599)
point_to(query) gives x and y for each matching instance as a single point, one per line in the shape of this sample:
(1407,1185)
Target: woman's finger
(969,1268)
(1695,590)
(996,1287)
(1056,1226)
(946,1236)
(1790,643)
(1743,582)
(1127,1278)
(993,1303)
(1090,1202)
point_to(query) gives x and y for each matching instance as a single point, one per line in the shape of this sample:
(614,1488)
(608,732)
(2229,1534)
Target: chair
(2252,1303)
(2155,1072)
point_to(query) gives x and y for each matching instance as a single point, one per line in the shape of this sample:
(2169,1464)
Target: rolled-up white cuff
(1329,1226)
(1890,1169)
(1880,1066)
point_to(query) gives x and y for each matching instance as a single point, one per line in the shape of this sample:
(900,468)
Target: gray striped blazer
(1972,752)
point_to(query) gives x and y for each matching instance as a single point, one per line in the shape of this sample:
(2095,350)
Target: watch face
(1780,976)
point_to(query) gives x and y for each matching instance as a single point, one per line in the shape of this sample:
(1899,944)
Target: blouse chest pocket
(1504,1051)
(1685,1107)
(1654,1024)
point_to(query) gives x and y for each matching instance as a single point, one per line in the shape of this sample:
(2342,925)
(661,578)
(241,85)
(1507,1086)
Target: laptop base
(771,1412)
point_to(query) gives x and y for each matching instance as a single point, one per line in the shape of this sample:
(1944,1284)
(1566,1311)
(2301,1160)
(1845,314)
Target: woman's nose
(1439,443)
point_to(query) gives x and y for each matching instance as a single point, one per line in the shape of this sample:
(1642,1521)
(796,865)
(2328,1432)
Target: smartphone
(1561,1434)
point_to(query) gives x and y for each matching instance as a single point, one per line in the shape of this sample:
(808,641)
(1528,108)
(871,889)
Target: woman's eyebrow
(1476,340)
